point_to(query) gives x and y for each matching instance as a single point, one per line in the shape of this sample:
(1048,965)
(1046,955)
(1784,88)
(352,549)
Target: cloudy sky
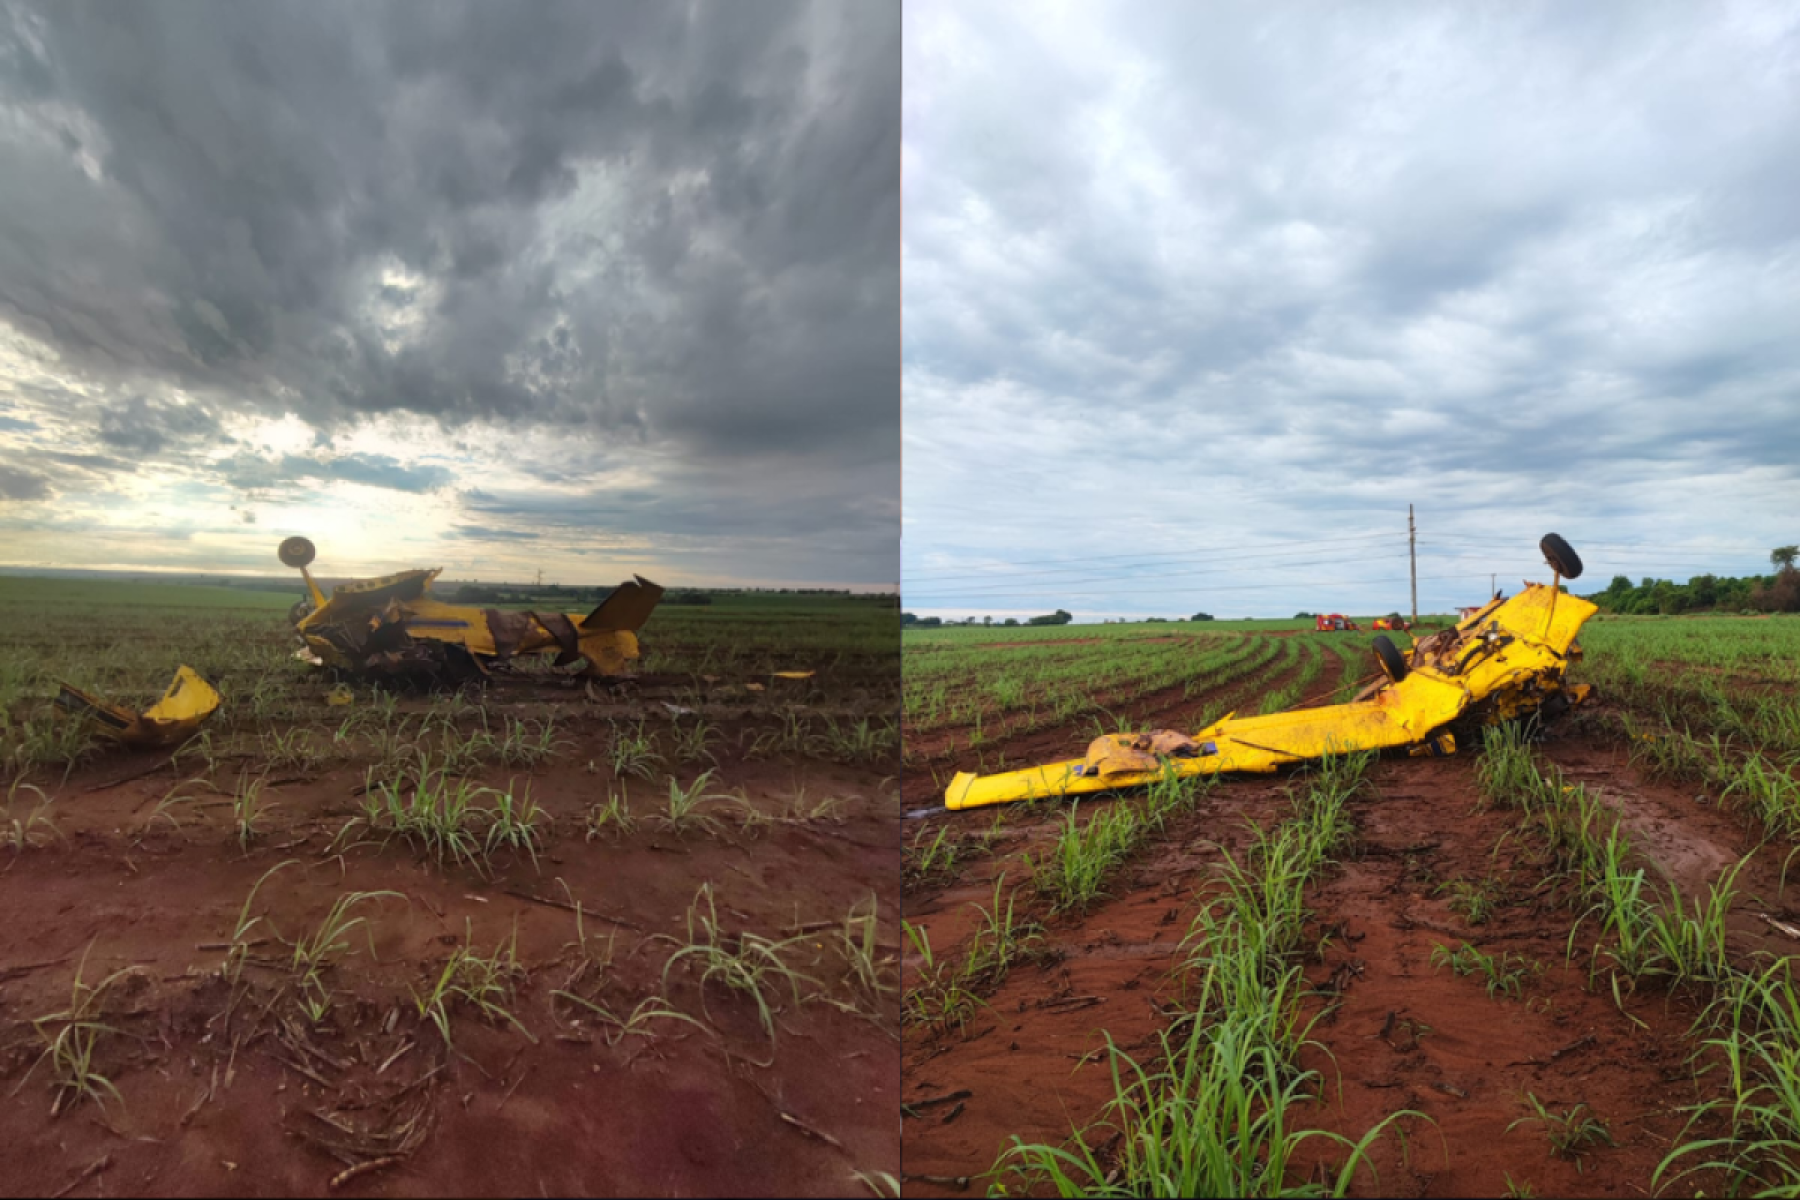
(590,288)
(1198,297)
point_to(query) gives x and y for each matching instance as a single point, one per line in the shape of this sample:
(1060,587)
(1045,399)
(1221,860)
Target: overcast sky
(593,288)
(1198,297)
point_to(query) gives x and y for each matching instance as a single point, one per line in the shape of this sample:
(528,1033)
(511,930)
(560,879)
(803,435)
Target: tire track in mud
(1472,1058)
(1407,1035)
(1681,830)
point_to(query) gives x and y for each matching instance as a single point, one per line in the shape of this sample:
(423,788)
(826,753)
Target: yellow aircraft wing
(1521,643)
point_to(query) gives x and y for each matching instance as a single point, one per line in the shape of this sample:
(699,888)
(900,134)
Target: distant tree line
(914,621)
(1059,617)
(473,592)
(521,593)
(516,593)
(1779,592)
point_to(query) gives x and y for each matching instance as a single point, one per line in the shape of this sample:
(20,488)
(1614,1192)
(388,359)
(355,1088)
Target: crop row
(1211,1114)
(994,695)
(1649,933)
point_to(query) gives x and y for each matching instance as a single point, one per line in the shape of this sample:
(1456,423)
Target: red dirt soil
(224,1098)
(1406,1035)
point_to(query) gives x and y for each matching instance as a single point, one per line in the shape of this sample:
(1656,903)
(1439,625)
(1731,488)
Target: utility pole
(1493,587)
(1412,554)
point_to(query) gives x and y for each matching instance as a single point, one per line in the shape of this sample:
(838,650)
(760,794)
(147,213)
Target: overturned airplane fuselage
(392,627)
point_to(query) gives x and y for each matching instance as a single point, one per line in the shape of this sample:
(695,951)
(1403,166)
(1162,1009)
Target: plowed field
(1517,957)
(536,938)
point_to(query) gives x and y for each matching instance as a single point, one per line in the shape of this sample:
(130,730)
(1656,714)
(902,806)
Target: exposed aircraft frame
(392,627)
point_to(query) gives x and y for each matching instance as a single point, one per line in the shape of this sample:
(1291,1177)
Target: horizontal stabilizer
(629,606)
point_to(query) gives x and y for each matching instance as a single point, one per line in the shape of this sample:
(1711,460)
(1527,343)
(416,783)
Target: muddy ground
(1394,1032)
(225,1085)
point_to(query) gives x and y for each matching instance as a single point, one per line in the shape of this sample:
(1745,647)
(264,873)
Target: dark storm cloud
(482,533)
(94,463)
(669,225)
(250,472)
(695,513)
(22,485)
(142,428)
(1282,270)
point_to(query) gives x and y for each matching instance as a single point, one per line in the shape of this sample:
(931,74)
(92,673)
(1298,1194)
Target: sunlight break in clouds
(609,289)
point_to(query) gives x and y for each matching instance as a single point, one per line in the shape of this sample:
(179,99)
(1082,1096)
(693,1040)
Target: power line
(1412,554)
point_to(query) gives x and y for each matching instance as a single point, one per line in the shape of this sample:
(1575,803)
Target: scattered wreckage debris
(391,628)
(173,719)
(1504,661)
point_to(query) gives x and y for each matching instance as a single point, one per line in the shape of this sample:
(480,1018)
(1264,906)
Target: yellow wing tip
(958,791)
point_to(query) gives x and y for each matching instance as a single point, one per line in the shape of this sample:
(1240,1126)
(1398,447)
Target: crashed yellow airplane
(1503,661)
(392,627)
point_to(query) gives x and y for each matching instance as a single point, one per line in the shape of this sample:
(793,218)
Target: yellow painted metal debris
(1503,661)
(174,718)
(392,626)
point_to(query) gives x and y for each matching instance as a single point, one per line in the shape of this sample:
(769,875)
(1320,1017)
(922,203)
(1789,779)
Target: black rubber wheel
(1560,555)
(1392,661)
(295,552)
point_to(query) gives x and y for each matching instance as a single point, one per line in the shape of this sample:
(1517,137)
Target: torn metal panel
(508,629)
(562,629)
(173,719)
(629,606)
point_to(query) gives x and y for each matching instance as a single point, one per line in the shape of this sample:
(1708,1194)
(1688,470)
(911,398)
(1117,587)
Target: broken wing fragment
(174,718)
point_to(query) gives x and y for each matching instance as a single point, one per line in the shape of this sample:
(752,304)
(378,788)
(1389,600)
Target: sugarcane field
(1550,953)
(347,932)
